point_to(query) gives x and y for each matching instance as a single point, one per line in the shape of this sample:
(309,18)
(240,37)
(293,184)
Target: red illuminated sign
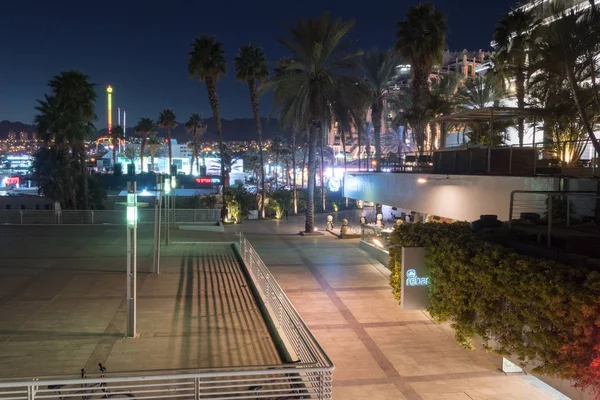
(204,180)
(13,180)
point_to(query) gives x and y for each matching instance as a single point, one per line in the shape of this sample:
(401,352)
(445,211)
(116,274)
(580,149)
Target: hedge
(545,313)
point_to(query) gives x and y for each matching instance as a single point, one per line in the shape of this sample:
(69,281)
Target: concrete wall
(460,197)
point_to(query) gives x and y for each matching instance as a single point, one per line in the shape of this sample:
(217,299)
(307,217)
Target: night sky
(140,47)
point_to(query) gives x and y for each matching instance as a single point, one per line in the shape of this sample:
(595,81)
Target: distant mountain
(238,129)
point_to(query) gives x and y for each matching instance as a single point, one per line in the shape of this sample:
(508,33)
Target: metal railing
(540,211)
(305,374)
(99,217)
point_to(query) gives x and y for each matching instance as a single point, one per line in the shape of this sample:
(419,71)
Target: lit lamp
(132,218)
(425,180)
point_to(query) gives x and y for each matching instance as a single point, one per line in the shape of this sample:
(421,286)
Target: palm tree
(144,128)
(377,68)
(513,40)
(316,73)
(207,63)
(561,53)
(116,135)
(196,128)
(66,119)
(154,144)
(251,68)
(421,41)
(168,121)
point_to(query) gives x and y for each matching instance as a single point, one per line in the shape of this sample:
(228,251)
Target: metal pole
(130,332)
(489,160)
(160,196)
(549,241)
(535,154)
(134,272)
(167,214)
(156,232)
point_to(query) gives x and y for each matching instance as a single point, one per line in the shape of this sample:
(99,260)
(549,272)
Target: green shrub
(543,312)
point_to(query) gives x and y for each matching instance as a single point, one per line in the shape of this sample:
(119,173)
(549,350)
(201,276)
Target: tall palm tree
(66,118)
(513,41)
(144,128)
(116,135)
(196,128)
(561,53)
(154,144)
(168,121)
(421,39)
(251,68)
(207,63)
(317,71)
(377,68)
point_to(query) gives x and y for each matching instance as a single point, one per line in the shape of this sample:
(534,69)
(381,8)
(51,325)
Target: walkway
(380,351)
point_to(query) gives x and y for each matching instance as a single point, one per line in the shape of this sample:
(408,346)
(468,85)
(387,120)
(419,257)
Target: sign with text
(415,281)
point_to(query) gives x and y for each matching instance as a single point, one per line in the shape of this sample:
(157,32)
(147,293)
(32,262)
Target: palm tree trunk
(582,112)
(214,104)
(276,164)
(295,198)
(170,149)
(520,86)
(152,161)
(142,149)
(256,113)
(305,153)
(84,179)
(343,139)
(323,204)
(192,164)
(376,114)
(114,149)
(368,150)
(312,174)
(359,149)
(287,171)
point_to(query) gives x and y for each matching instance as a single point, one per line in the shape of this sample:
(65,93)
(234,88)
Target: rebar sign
(415,281)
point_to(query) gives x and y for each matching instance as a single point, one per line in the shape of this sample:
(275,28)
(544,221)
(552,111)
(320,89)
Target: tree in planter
(239,202)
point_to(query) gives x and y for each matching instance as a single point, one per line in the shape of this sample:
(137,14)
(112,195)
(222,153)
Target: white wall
(461,197)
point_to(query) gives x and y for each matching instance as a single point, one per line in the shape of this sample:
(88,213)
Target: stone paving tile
(294,277)
(367,392)
(502,387)
(416,352)
(377,306)
(350,356)
(348,276)
(316,308)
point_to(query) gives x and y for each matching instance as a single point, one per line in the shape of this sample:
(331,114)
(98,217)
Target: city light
(422,180)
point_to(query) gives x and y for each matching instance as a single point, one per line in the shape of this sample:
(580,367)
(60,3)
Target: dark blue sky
(140,47)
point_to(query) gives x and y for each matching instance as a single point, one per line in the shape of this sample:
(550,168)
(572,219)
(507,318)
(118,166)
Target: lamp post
(167,186)
(132,219)
(173,186)
(157,223)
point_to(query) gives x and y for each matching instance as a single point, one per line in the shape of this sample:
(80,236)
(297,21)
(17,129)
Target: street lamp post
(157,223)
(131,257)
(167,186)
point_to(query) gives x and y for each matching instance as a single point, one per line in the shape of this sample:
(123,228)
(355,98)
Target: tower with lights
(109,95)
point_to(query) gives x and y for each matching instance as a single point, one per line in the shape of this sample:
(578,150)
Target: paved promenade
(380,351)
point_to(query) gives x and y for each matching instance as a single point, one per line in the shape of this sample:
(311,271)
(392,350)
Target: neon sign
(13,180)
(335,184)
(205,181)
(413,280)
